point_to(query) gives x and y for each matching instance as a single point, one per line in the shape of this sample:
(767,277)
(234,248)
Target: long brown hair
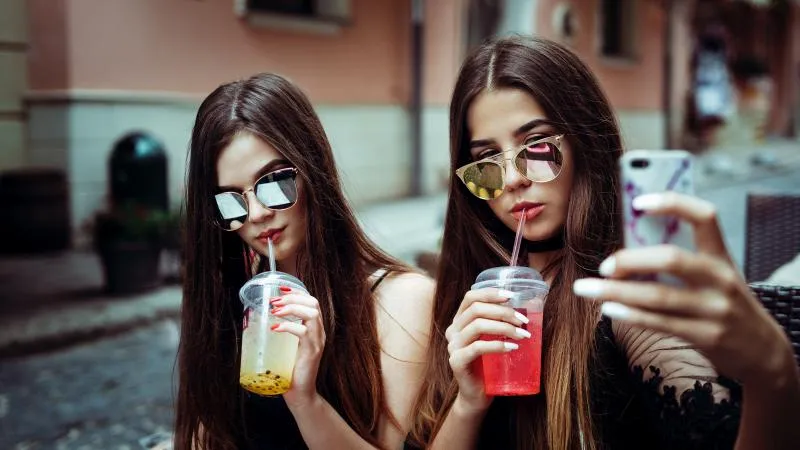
(474,239)
(335,263)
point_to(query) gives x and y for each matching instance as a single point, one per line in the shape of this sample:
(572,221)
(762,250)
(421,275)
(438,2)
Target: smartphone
(655,171)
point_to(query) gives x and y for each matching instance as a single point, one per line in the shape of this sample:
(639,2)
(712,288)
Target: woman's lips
(275,235)
(531,211)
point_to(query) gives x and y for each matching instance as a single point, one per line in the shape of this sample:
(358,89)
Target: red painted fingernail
(274,299)
(274,327)
(285,289)
(277,310)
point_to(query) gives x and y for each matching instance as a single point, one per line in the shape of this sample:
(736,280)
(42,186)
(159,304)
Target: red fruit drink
(518,371)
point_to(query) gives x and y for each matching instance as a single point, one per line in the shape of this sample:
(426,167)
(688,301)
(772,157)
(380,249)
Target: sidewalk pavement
(51,301)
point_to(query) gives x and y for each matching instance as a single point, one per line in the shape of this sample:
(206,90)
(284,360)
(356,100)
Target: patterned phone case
(665,170)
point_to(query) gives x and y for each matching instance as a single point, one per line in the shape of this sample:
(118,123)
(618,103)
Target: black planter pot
(130,267)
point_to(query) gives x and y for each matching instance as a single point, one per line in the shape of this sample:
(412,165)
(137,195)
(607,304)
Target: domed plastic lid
(252,292)
(519,275)
(509,272)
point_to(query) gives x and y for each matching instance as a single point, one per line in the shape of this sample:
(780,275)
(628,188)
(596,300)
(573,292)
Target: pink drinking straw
(518,240)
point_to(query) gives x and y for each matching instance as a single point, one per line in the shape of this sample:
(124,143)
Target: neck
(540,260)
(288,265)
(541,253)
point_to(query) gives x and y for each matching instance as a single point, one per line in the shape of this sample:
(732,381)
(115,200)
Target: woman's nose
(514,180)
(258,212)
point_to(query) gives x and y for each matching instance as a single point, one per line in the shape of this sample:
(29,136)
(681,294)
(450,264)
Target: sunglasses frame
(252,189)
(499,159)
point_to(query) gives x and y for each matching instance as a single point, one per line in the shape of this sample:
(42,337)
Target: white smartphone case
(655,171)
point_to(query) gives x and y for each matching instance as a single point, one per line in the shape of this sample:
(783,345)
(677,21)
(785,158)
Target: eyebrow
(521,130)
(268,167)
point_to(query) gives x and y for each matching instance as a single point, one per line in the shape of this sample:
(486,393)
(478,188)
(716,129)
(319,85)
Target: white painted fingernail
(647,202)
(521,317)
(522,333)
(509,346)
(588,287)
(608,266)
(615,310)
(506,294)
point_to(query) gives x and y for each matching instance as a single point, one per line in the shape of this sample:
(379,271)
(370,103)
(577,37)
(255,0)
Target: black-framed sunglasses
(538,160)
(276,190)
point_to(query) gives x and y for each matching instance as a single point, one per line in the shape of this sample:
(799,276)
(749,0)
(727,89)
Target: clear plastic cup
(517,372)
(268,356)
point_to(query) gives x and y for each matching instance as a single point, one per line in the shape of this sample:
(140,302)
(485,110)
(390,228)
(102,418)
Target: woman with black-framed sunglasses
(276,190)
(261,169)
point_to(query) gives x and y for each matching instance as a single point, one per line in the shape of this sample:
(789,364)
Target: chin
(540,232)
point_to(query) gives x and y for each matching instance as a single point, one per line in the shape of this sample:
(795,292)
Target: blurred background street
(97,100)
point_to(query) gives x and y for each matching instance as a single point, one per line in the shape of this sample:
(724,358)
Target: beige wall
(443,50)
(102,68)
(48,56)
(634,84)
(192,46)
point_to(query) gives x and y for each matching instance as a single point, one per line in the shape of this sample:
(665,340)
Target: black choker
(555,242)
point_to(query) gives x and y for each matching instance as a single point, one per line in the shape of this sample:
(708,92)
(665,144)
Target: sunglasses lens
(277,190)
(539,161)
(231,210)
(484,180)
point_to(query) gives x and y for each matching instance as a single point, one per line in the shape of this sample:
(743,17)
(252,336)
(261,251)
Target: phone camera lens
(640,163)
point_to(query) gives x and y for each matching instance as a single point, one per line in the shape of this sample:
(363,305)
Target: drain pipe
(667,88)
(415,107)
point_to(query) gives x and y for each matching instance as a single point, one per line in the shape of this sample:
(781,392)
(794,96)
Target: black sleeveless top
(269,425)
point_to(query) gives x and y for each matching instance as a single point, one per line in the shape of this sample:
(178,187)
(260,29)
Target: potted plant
(129,241)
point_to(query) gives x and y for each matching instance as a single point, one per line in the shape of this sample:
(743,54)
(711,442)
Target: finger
(302,312)
(655,297)
(295,298)
(693,268)
(702,214)
(295,328)
(463,357)
(485,295)
(703,333)
(488,311)
(479,327)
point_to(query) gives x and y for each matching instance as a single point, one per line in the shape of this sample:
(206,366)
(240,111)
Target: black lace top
(631,412)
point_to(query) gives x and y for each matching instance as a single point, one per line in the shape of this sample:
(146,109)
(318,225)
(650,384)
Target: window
(565,23)
(617,28)
(295,7)
(316,16)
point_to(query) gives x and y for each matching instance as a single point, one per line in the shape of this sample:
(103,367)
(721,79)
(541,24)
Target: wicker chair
(773,233)
(783,302)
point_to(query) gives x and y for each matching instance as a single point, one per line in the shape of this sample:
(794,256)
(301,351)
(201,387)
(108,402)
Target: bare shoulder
(404,307)
(403,284)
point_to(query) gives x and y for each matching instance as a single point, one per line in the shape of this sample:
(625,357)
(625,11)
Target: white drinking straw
(271,255)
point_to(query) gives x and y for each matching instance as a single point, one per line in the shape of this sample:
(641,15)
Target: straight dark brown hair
(334,263)
(474,240)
